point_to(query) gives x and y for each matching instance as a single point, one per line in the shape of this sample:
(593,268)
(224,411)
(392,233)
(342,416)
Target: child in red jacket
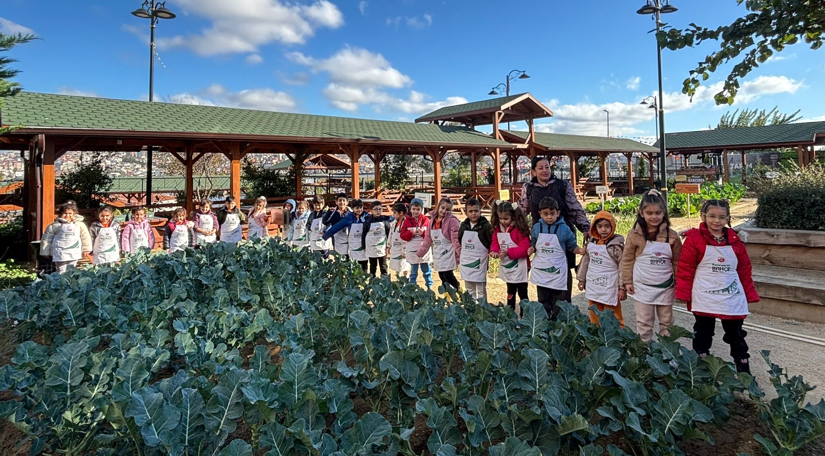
(413,231)
(714,280)
(511,241)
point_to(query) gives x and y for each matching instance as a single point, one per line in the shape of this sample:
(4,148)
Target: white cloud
(633,83)
(778,58)
(246,25)
(299,78)
(259,99)
(362,6)
(350,99)
(814,119)
(414,22)
(355,67)
(76,92)
(254,59)
(12,28)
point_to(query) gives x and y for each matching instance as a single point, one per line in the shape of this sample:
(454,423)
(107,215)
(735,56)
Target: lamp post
(153,11)
(655,107)
(656,8)
(511,76)
(608,121)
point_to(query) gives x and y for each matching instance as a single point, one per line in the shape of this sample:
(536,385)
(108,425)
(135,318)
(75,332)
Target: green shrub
(13,241)
(677,202)
(795,200)
(14,275)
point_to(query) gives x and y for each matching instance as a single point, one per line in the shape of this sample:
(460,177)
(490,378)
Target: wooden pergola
(801,136)
(51,125)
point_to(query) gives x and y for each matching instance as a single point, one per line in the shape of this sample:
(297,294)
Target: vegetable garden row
(262,349)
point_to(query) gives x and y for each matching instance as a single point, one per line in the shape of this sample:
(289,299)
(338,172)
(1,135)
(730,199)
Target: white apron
(357,251)
(717,288)
(316,236)
(397,252)
(231,230)
(602,278)
(510,271)
(653,280)
(474,258)
(377,240)
(415,243)
(257,229)
(138,239)
(341,239)
(443,252)
(66,243)
(549,269)
(107,246)
(180,238)
(300,236)
(205,222)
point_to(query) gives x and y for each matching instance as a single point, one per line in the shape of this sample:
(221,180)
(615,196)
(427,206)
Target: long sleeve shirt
(345,222)
(517,251)
(574,207)
(126,237)
(483,228)
(567,239)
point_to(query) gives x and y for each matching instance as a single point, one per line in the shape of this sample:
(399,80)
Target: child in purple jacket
(138,233)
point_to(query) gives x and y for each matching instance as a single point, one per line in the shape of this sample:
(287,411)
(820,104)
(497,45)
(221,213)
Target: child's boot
(742,365)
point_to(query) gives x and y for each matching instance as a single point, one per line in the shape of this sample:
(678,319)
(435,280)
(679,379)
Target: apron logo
(721,259)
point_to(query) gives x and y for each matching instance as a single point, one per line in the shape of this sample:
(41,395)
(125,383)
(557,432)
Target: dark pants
(567,295)
(379,263)
(512,289)
(364,265)
(448,277)
(548,298)
(704,329)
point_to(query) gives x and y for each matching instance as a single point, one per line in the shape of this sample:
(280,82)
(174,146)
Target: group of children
(710,273)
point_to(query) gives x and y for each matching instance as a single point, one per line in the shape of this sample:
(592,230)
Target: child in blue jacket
(354,223)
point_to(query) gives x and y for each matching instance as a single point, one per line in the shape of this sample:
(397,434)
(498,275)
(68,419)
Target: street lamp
(656,8)
(511,76)
(608,121)
(153,11)
(655,106)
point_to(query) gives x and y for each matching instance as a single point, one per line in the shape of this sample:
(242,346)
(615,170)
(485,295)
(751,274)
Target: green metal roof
(585,143)
(745,137)
(165,184)
(48,111)
(457,110)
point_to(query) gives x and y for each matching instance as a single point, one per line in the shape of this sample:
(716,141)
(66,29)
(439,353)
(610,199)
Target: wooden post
(497,171)
(235,170)
(630,190)
(474,170)
(377,171)
(47,186)
(436,156)
(744,168)
(726,165)
(650,174)
(801,153)
(813,154)
(603,167)
(574,169)
(189,179)
(355,171)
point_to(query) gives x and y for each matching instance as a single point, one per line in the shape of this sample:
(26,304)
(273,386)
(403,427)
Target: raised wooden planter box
(789,272)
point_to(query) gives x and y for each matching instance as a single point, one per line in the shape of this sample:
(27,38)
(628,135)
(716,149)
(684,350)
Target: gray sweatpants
(477,290)
(63,266)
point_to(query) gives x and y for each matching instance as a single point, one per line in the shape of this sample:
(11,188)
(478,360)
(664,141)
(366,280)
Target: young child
(376,233)
(648,266)
(551,240)
(298,233)
(230,218)
(66,240)
(340,241)
(443,237)
(316,228)
(598,272)
(476,236)
(354,224)
(206,224)
(413,231)
(398,254)
(105,233)
(511,241)
(259,220)
(179,233)
(138,233)
(714,280)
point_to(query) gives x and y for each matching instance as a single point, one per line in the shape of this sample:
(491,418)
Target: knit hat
(602,215)
(417,201)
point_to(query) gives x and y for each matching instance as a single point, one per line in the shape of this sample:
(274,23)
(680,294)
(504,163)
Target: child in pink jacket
(443,237)
(511,242)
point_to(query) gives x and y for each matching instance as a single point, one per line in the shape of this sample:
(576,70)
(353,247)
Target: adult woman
(545,184)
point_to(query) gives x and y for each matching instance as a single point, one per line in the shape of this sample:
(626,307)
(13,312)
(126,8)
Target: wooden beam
(630,189)
(474,169)
(801,153)
(497,171)
(603,167)
(744,167)
(726,165)
(354,153)
(574,168)
(189,179)
(47,185)
(376,160)
(235,170)
(650,173)
(436,156)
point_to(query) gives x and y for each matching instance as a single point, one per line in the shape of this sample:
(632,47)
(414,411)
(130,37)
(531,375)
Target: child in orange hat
(598,272)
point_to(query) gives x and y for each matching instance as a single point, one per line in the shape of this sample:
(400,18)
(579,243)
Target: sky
(399,59)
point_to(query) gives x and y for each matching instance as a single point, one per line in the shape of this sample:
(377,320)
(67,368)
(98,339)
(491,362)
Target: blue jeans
(425,268)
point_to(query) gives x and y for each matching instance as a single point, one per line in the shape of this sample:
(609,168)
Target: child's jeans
(478,290)
(646,317)
(428,273)
(548,297)
(705,328)
(512,290)
(378,263)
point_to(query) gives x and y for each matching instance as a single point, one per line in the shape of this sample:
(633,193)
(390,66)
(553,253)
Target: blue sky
(397,59)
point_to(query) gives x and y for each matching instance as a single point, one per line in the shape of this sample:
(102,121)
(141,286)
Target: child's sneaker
(742,365)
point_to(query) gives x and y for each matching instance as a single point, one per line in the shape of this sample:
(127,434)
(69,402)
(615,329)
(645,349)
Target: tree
(204,171)
(395,171)
(770,26)
(8,88)
(756,118)
(259,181)
(88,184)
